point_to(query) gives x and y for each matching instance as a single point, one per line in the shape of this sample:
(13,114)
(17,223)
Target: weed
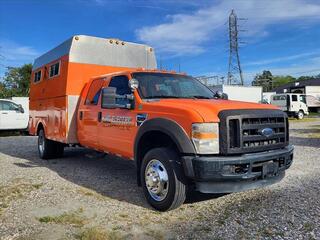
(96,233)
(91,193)
(308,227)
(17,189)
(73,218)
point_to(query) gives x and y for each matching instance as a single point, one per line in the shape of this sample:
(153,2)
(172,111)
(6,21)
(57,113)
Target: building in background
(311,88)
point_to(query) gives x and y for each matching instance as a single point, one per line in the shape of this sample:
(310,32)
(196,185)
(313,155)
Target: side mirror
(20,108)
(221,95)
(110,99)
(133,84)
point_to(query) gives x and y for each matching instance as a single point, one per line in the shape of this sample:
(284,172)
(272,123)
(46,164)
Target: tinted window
(94,92)
(54,69)
(37,76)
(294,98)
(302,98)
(281,97)
(8,106)
(121,84)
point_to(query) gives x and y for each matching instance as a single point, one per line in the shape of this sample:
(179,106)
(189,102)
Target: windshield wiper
(201,97)
(162,96)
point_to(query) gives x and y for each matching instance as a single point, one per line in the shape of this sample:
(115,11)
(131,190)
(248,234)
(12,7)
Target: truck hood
(209,109)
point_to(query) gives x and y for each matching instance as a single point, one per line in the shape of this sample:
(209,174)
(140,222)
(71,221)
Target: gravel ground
(87,195)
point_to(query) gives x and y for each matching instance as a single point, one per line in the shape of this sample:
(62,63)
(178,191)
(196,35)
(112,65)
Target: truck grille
(248,131)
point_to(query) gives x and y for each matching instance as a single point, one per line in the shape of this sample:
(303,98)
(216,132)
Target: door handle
(4,113)
(99,116)
(81,115)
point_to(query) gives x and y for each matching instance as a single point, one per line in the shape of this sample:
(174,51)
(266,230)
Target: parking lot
(88,195)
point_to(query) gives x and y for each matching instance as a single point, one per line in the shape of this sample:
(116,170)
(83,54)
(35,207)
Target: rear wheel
(47,148)
(300,115)
(161,185)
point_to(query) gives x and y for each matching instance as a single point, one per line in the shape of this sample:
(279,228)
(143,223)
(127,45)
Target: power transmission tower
(234,60)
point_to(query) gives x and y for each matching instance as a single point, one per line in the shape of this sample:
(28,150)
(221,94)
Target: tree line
(16,81)
(268,81)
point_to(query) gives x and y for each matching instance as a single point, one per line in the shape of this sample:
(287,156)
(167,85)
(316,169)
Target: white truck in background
(294,105)
(14,113)
(240,93)
(266,97)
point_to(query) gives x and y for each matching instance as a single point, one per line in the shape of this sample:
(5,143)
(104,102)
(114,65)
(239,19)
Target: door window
(122,87)
(8,106)
(302,98)
(294,98)
(121,84)
(94,92)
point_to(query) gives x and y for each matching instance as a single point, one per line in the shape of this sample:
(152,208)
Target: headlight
(205,137)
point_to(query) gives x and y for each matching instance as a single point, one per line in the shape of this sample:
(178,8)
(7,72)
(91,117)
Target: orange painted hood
(209,109)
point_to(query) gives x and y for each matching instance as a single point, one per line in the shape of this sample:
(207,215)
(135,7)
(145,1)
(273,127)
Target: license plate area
(267,169)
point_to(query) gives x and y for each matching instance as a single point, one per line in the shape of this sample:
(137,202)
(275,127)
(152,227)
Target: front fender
(170,128)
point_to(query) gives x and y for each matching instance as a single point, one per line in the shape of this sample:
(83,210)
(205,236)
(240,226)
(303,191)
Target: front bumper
(224,174)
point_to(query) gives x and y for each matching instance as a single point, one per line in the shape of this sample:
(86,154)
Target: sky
(282,36)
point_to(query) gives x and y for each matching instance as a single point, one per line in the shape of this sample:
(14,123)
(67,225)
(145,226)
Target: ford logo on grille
(267,132)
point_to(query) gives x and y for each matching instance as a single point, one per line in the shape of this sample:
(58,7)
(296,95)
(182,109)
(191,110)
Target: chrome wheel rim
(157,180)
(300,115)
(41,143)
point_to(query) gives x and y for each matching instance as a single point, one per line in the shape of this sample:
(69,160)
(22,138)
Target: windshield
(167,85)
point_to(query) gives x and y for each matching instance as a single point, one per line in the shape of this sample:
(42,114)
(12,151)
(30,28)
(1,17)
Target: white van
(13,116)
(291,103)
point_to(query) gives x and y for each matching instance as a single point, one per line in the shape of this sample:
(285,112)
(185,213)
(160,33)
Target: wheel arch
(40,125)
(160,132)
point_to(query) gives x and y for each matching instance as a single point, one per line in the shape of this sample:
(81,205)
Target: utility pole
(234,60)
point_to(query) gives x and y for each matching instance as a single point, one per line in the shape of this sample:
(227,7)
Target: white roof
(101,51)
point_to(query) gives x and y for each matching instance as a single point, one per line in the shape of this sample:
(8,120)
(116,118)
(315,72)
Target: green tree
(302,78)
(16,82)
(264,80)
(281,80)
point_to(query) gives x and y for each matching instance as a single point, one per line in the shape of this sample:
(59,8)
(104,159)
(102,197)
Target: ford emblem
(267,132)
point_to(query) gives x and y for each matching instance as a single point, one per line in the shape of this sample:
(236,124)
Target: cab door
(89,116)
(295,103)
(10,116)
(118,127)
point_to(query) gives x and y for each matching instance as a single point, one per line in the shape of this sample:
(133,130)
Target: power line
(234,59)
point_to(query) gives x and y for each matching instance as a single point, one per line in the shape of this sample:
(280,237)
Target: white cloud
(14,53)
(282,59)
(186,33)
(308,67)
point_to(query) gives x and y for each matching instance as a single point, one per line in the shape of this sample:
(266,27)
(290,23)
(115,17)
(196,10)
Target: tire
(48,149)
(300,115)
(157,164)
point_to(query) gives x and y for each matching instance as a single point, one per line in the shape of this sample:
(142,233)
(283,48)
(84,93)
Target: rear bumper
(223,174)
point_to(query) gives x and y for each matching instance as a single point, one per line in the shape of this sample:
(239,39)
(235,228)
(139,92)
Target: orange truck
(107,95)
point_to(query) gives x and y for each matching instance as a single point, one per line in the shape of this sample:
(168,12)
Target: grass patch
(308,227)
(91,193)
(306,119)
(17,189)
(96,233)
(74,218)
(155,234)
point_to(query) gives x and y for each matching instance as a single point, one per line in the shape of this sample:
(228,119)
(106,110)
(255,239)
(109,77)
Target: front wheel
(160,179)
(300,115)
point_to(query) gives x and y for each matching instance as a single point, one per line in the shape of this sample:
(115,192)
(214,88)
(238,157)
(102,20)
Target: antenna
(234,60)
